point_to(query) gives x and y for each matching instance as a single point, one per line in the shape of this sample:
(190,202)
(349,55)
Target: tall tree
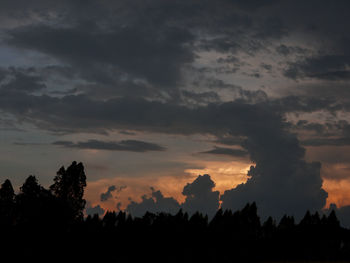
(69,185)
(7,196)
(30,202)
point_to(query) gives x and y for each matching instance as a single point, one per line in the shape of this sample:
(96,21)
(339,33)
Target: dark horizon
(35,215)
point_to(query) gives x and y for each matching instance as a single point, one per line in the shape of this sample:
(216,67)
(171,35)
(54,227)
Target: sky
(169,104)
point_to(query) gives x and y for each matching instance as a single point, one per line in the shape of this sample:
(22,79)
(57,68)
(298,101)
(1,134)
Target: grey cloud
(230,140)
(20,80)
(200,196)
(154,204)
(328,67)
(202,98)
(326,141)
(125,145)
(326,134)
(126,52)
(318,128)
(108,194)
(276,152)
(92,210)
(267,67)
(294,103)
(290,50)
(107,43)
(227,151)
(292,191)
(139,52)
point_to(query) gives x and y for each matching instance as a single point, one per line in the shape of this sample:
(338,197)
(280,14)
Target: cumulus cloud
(200,196)
(92,210)
(154,204)
(108,194)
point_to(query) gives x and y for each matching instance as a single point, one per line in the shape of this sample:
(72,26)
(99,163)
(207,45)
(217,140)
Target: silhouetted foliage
(69,188)
(38,221)
(7,203)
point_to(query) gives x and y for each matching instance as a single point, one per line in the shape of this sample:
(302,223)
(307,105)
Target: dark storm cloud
(276,152)
(297,188)
(20,80)
(329,67)
(227,151)
(142,53)
(144,47)
(326,141)
(126,145)
(79,113)
(326,134)
(136,48)
(200,196)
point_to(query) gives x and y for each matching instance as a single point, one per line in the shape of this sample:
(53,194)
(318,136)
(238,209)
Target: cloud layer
(263,79)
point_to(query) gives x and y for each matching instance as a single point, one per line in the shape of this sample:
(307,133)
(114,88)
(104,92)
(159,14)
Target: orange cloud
(226,175)
(338,192)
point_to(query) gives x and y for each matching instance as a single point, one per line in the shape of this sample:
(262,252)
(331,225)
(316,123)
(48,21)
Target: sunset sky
(149,94)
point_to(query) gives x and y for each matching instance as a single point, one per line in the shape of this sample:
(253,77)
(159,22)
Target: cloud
(108,195)
(326,141)
(134,52)
(293,191)
(327,67)
(20,80)
(92,210)
(275,151)
(118,51)
(200,196)
(126,145)
(227,151)
(154,204)
(129,64)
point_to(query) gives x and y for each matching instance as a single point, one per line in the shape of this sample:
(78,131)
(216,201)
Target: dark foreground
(48,225)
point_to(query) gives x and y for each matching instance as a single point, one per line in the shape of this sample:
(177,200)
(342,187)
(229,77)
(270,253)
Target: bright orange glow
(338,192)
(226,175)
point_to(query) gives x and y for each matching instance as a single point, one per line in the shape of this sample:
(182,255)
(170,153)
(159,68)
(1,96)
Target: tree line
(46,223)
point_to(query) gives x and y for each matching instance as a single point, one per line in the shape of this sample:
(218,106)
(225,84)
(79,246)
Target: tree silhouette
(69,187)
(7,194)
(7,204)
(56,215)
(32,202)
(332,219)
